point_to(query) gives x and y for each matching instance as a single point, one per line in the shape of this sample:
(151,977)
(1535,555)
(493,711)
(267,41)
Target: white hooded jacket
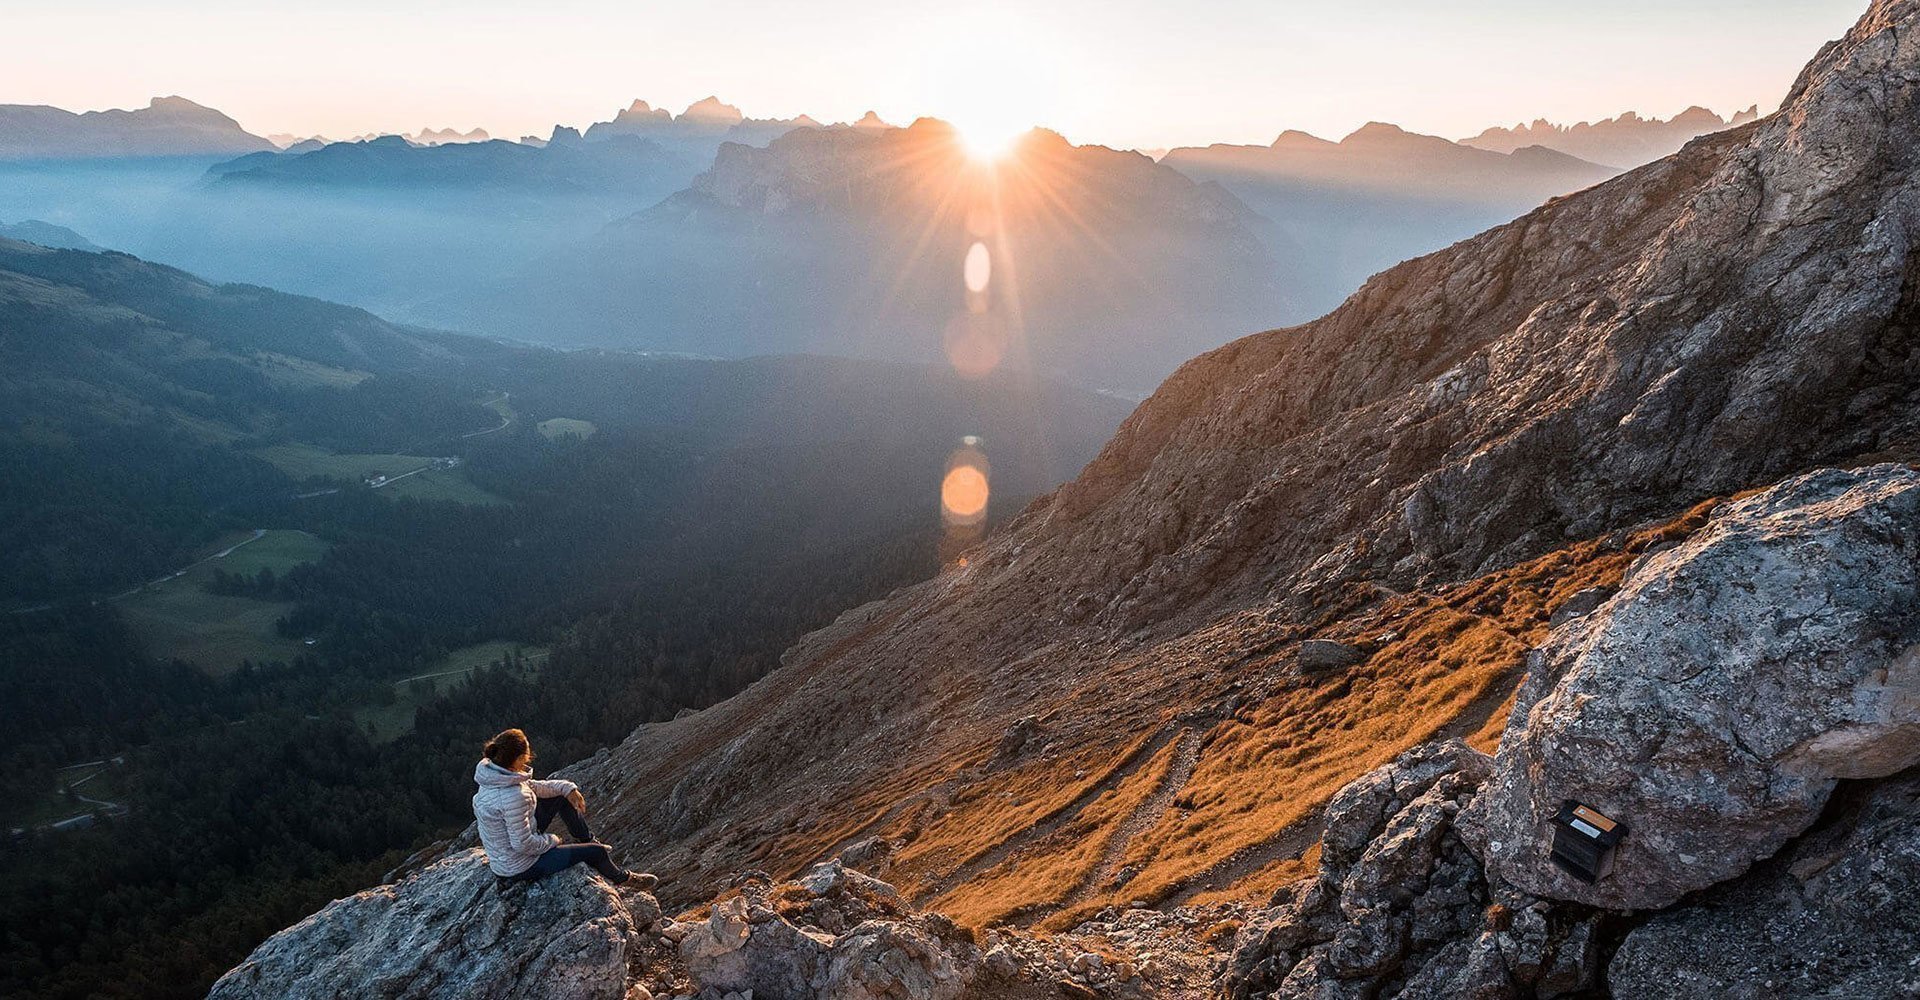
(503,812)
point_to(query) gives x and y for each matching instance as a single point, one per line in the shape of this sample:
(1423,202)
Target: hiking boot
(640,882)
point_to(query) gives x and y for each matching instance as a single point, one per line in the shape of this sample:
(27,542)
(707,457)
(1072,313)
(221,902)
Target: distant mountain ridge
(47,235)
(1626,141)
(852,240)
(1380,156)
(1338,212)
(434,136)
(168,126)
(623,163)
(702,126)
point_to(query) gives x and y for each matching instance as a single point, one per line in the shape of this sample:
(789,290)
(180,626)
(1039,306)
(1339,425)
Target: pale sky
(1118,72)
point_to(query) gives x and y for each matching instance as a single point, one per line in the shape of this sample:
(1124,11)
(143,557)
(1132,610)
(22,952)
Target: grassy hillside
(179,619)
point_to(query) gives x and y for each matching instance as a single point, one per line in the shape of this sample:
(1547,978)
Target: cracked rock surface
(1714,703)
(450,932)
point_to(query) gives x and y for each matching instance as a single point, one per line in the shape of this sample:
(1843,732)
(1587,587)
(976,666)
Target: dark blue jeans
(582,852)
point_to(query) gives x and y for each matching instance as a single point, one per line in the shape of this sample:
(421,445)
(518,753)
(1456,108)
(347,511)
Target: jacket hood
(487,774)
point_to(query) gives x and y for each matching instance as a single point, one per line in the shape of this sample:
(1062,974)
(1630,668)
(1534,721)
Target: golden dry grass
(1445,662)
(1045,873)
(1262,884)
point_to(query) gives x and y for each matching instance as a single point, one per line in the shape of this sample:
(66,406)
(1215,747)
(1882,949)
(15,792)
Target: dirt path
(529,658)
(1043,827)
(1290,841)
(258,533)
(403,475)
(506,419)
(1105,875)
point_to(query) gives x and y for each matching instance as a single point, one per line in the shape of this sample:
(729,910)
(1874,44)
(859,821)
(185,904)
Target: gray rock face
(729,953)
(776,942)
(1835,917)
(1395,887)
(1402,908)
(1715,701)
(1580,604)
(870,854)
(449,933)
(1320,655)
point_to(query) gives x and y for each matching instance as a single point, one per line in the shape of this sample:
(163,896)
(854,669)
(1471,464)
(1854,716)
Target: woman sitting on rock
(513,808)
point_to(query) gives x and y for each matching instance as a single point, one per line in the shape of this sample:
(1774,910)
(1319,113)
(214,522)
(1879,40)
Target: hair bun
(506,747)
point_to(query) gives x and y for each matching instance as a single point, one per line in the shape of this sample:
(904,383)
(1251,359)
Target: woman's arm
(521,835)
(551,787)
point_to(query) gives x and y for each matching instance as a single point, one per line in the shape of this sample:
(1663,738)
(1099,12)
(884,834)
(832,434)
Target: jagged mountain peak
(1626,140)
(175,103)
(711,110)
(1294,138)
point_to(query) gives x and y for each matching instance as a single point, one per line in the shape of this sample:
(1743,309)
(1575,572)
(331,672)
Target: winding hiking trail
(1047,824)
(1106,874)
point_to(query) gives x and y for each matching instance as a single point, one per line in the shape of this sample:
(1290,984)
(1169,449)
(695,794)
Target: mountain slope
(109,339)
(126,385)
(46,234)
(1410,474)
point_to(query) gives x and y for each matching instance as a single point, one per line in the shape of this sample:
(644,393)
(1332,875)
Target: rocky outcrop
(451,932)
(1320,655)
(832,933)
(1833,917)
(1713,703)
(1401,906)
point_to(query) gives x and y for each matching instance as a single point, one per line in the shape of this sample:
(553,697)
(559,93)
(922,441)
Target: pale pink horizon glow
(1125,73)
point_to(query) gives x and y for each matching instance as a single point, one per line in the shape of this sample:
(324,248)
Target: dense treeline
(94,508)
(254,798)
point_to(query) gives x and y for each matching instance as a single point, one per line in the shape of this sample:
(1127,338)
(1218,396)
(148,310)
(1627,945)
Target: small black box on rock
(1583,841)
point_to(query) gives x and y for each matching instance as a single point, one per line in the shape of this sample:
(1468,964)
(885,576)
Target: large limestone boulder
(449,932)
(1714,702)
(737,950)
(1834,917)
(832,933)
